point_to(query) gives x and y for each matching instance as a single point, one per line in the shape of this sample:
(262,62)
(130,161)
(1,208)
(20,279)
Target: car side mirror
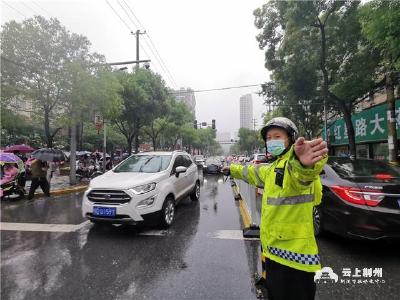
(180,169)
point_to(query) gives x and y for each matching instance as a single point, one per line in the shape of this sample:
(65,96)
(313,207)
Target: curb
(249,230)
(244,210)
(64,191)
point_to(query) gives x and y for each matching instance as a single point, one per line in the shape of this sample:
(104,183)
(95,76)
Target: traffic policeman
(292,188)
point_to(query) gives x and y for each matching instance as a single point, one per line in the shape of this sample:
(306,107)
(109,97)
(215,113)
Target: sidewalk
(60,185)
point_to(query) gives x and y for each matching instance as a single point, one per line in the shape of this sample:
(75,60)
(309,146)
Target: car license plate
(102,211)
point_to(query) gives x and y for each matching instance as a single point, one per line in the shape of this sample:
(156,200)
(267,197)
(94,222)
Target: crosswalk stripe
(231,235)
(7,226)
(41,227)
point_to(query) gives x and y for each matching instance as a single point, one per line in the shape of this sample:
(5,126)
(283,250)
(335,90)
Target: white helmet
(284,123)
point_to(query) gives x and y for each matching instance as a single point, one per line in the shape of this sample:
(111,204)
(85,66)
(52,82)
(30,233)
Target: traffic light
(195,124)
(213,124)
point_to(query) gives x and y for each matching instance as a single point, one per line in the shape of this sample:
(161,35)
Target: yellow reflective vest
(290,193)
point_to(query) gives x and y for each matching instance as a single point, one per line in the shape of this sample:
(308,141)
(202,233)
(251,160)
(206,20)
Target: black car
(361,199)
(212,166)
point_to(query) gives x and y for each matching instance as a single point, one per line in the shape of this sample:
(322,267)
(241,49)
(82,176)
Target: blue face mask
(276,147)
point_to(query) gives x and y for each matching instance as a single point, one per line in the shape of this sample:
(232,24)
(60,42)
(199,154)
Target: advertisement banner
(370,125)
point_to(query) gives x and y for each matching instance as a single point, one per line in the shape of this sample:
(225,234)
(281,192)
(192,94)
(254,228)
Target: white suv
(142,187)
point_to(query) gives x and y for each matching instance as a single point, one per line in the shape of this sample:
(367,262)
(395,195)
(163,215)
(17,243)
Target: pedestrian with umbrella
(39,169)
(20,151)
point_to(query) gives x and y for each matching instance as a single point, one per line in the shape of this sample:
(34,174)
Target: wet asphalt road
(185,262)
(95,262)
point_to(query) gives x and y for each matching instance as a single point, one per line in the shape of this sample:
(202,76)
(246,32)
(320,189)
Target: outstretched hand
(226,171)
(310,152)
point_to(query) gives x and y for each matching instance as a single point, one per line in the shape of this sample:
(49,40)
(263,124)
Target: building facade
(246,111)
(187,96)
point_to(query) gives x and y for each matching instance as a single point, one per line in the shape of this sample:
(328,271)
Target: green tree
(317,54)
(144,106)
(87,85)
(250,140)
(35,53)
(381,26)
(17,129)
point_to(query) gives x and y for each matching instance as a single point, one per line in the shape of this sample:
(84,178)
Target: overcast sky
(204,44)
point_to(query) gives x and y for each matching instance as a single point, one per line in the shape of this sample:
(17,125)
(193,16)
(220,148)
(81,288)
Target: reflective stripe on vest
(305,259)
(245,174)
(290,200)
(260,183)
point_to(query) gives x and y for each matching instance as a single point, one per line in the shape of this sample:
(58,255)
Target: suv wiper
(145,163)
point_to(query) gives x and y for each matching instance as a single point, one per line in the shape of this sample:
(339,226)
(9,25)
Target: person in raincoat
(291,189)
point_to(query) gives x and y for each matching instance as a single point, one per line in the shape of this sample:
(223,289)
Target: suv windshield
(346,168)
(144,163)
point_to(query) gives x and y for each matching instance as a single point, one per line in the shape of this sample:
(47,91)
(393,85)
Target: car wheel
(167,212)
(195,195)
(317,220)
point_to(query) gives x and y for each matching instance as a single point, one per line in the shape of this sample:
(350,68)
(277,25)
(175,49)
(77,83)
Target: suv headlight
(146,202)
(142,189)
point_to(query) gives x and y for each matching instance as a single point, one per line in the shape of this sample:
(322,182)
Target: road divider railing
(248,196)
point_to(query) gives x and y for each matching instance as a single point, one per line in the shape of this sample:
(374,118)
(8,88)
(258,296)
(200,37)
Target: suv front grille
(109,196)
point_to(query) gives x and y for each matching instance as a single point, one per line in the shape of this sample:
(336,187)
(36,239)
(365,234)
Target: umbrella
(19,148)
(11,158)
(80,153)
(48,154)
(8,158)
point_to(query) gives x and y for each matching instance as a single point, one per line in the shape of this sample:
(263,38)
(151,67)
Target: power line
(46,11)
(14,9)
(34,11)
(148,45)
(126,24)
(151,42)
(217,89)
(167,74)
(123,21)
(136,26)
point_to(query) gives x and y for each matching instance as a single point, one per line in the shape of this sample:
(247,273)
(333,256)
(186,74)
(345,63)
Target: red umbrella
(19,148)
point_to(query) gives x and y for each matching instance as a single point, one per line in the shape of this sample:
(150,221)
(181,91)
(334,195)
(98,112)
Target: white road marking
(42,227)
(230,235)
(219,234)
(154,233)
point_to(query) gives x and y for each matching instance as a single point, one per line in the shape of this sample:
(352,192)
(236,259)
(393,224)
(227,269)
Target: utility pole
(104,146)
(326,124)
(254,123)
(137,46)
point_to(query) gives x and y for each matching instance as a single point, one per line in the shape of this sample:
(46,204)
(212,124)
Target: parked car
(144,187)
(213,166)
(257,158)
(361,199)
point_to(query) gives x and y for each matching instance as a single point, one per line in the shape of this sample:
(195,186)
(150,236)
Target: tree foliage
(317,55)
